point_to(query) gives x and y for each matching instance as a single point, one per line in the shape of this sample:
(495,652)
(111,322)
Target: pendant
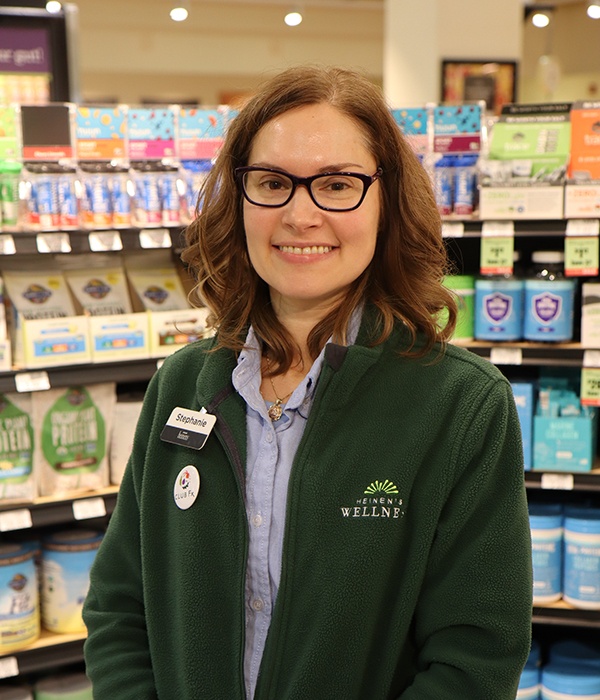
(275,411)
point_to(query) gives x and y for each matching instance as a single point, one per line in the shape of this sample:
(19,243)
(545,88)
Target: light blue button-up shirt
(271,447)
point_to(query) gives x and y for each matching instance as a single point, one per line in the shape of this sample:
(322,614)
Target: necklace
(275,411)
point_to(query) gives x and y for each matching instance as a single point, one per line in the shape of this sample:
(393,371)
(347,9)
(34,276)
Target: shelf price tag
(53,242)
(7,244)
(557,482)
(155,238)
(506,356)
(497,255)
(32,381)
(590,386)
(9,668)
(581,256)
(19,519)
(453,229)
(87,508)
(583,227)
(101,241)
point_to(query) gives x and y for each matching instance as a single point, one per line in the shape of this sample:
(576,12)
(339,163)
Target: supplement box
(564,443)
(524,400)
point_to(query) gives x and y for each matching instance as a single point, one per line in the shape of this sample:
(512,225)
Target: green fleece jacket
(407,557)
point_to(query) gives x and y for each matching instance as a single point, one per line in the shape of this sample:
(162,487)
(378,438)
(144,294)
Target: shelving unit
(462,240)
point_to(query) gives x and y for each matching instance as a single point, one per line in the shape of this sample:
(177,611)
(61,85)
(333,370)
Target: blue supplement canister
(549,299)
(546,522)
(529,683)
(19,601)
(498,308)
(67,558)
(560,682)
(569,652)
(581,557)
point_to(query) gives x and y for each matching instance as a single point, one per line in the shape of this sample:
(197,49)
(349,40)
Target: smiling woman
(358,527)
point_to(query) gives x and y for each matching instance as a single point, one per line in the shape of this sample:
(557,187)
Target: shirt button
(270,437)
(257,605)
(257,520)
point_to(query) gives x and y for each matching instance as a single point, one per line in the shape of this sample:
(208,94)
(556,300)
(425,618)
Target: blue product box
(565,443)
(524,400)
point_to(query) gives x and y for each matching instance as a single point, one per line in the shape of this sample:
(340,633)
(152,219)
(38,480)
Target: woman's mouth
(307,250)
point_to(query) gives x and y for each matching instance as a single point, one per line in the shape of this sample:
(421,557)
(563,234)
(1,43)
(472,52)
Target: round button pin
(187,487)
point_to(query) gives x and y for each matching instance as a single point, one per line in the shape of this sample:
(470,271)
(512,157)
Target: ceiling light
(540,19)
(293,18)
(179,14)
(53,7)
(593,10)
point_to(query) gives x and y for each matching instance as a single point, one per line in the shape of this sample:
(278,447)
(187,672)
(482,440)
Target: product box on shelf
(524,400)
(582,191)
(590,315)
(523,174)
(171,330)
(119,337)
(50,342)
(564,443)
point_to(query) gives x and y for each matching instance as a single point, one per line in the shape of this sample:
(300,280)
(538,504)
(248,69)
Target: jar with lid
(549,299)
(499,305)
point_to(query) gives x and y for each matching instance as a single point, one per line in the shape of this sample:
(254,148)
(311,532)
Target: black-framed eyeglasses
(335,191)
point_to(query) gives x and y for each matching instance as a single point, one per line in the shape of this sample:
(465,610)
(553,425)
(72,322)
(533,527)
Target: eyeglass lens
(330,191)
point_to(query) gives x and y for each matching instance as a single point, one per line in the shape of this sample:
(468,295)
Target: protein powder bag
(158,288)
(72,432)
(17,481)
(101,292)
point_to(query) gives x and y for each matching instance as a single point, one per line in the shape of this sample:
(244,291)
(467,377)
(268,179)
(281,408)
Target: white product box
(582,201)
(528,202)
(125,418)
(171,330)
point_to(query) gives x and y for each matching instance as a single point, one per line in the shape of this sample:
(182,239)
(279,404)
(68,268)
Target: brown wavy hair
(403,281)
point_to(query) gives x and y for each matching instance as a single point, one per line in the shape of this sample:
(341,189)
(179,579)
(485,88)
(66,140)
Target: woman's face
(306,255)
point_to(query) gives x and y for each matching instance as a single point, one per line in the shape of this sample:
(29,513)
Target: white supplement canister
(19,600)
(581,558)
(549,299)
(560,682)
(67,558)
(546,522)
(67,686)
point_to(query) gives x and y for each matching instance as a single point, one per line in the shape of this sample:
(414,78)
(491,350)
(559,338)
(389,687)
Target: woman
(354,525)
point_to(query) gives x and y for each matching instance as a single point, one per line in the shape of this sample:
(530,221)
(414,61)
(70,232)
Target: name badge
(188,428)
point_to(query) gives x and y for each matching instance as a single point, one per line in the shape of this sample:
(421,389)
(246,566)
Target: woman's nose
(301,207)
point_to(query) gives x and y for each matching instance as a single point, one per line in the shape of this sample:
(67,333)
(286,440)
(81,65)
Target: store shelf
(47,653)
(79,241)
(129,371)
(471,228)
(561,481)
(528,353)
(50,510)
(561,613)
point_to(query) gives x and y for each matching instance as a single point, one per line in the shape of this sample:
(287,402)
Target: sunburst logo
(386,486)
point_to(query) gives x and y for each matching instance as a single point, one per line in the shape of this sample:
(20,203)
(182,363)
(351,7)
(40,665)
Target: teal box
(565,443)
(524,400)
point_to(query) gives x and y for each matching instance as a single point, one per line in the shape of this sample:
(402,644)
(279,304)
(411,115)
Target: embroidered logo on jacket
(377,501)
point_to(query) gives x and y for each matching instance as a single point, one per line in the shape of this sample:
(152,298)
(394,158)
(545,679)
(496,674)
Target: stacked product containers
(539,308)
